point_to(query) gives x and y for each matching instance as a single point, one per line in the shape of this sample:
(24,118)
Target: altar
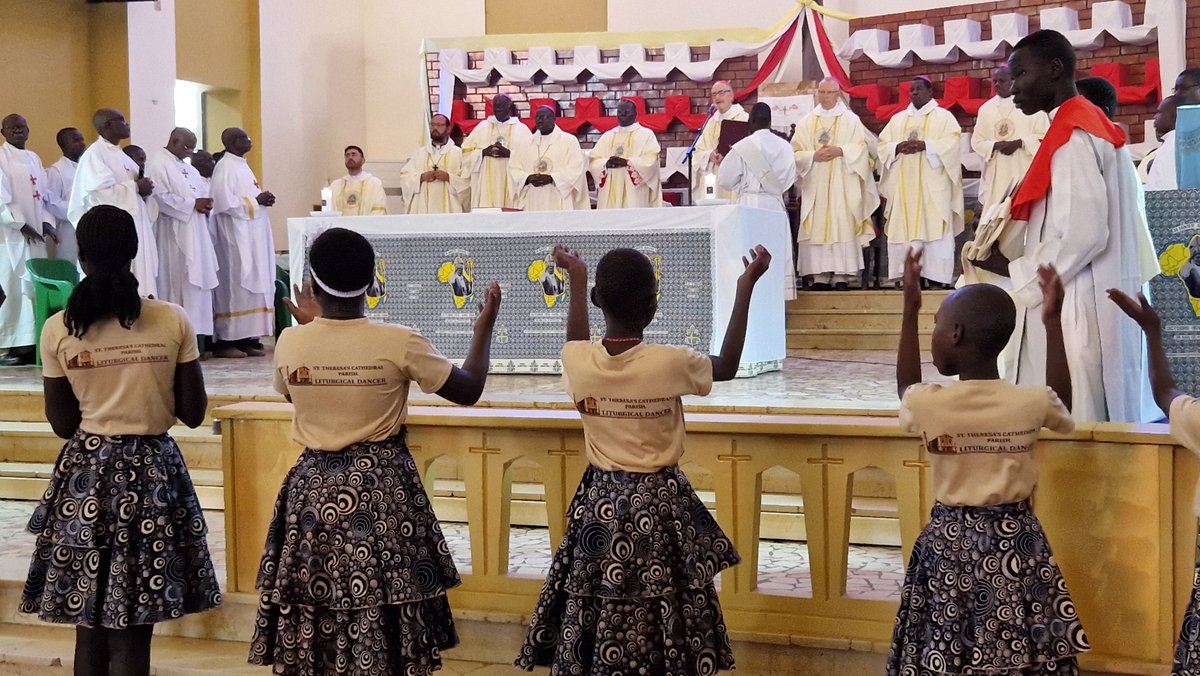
(429,268)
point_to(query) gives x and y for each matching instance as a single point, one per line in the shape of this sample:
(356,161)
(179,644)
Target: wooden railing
(1115,500)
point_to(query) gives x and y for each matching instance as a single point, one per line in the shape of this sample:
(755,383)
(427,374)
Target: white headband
(334,292)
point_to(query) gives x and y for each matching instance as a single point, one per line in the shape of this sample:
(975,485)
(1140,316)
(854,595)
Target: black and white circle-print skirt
(120,536)
(1187,649)
(354,576)
(631,587)
(983,594)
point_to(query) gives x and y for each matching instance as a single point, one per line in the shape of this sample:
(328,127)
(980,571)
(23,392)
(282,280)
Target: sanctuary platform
(806,469)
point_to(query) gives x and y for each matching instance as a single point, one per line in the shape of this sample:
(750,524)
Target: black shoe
(820,286)
(11,360)
(841,286)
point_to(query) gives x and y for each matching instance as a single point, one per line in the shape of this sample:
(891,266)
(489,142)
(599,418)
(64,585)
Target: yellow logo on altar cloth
(459,273)
(655,259)
(377,291)
(553,279)
(1183,261)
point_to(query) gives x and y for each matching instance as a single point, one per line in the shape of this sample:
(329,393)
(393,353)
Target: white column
(151,36)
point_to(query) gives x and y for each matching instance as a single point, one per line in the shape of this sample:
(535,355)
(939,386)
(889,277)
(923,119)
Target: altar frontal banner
(431,273)
(1174,217)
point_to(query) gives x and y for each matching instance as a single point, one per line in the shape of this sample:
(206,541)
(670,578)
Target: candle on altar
(710,185)
(326,198)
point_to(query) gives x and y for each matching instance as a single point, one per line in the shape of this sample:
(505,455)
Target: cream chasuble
(710,137)
(488,176)
(360,195)
(636,185)
(923,190)
(435,197)
(1000,120)
(838,196)
(559,156)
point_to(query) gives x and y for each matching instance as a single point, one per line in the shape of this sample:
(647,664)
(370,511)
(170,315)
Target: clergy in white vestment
(358,193)
(1006,139)
(60,176)
(26,224)
(486,153)
(837,190)
(433,181)
(1161,175)
(922,182)
(547,172)
(244,302)
(625,164)
(1081,208)
(706,158)
(758,170)
(106,175)
(187,271)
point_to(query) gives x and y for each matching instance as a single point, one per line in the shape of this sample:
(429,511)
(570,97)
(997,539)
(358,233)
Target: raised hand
(756,265)
(1138,310)
(569,260)
(1052,292)
(306,308)
(489,307)
(912,278)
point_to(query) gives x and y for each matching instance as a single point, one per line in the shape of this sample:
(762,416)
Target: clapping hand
(306,308)
(569,260)
(1138,310)
(489,307)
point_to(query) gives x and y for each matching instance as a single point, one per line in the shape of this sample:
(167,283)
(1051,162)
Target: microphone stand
(712,110)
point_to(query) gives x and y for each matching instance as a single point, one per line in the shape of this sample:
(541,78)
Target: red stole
(1076,113)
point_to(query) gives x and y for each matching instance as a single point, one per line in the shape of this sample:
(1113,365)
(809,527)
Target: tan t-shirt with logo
(980,436)
(630,403)
(348,379)
(124,378)
(1184,417)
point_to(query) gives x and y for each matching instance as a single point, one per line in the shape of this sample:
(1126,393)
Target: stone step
(854,321)
(844,339)
(874,301)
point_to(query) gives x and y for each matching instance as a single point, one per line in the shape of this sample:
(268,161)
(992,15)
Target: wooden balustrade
(1115,500)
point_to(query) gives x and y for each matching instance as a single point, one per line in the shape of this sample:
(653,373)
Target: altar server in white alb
(244,301)
(26,224)
(106,175)
(837,191)
(187,271)
(547,172)
(922,183)
(358,193)
(1005,138)
(758,170)
(1161,173)
(1080,208)
(486,153)
(433,180)
(706,159)
(625,164)
(60,176)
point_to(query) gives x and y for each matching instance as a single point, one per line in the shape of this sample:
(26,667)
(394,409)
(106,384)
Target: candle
(326,198)
(710,185)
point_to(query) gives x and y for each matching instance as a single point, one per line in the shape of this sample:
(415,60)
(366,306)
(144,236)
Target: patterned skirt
(631,588)
(1187,650)
(983,595)
(120,537)
(354,576)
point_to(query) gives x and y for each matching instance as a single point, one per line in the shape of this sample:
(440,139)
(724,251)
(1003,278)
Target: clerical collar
(929,105)
(510,120)
(837,109)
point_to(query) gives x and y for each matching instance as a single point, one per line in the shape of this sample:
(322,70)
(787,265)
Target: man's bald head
(236,141)
(502,107)
(110,124)
(182,142)
(829,92)
(722,95)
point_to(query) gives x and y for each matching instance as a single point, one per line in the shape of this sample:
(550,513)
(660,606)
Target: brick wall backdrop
(738,71)
(1134,115)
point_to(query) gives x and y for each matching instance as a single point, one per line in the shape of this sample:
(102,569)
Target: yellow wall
(546,16)
(63,59)
(216,44)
